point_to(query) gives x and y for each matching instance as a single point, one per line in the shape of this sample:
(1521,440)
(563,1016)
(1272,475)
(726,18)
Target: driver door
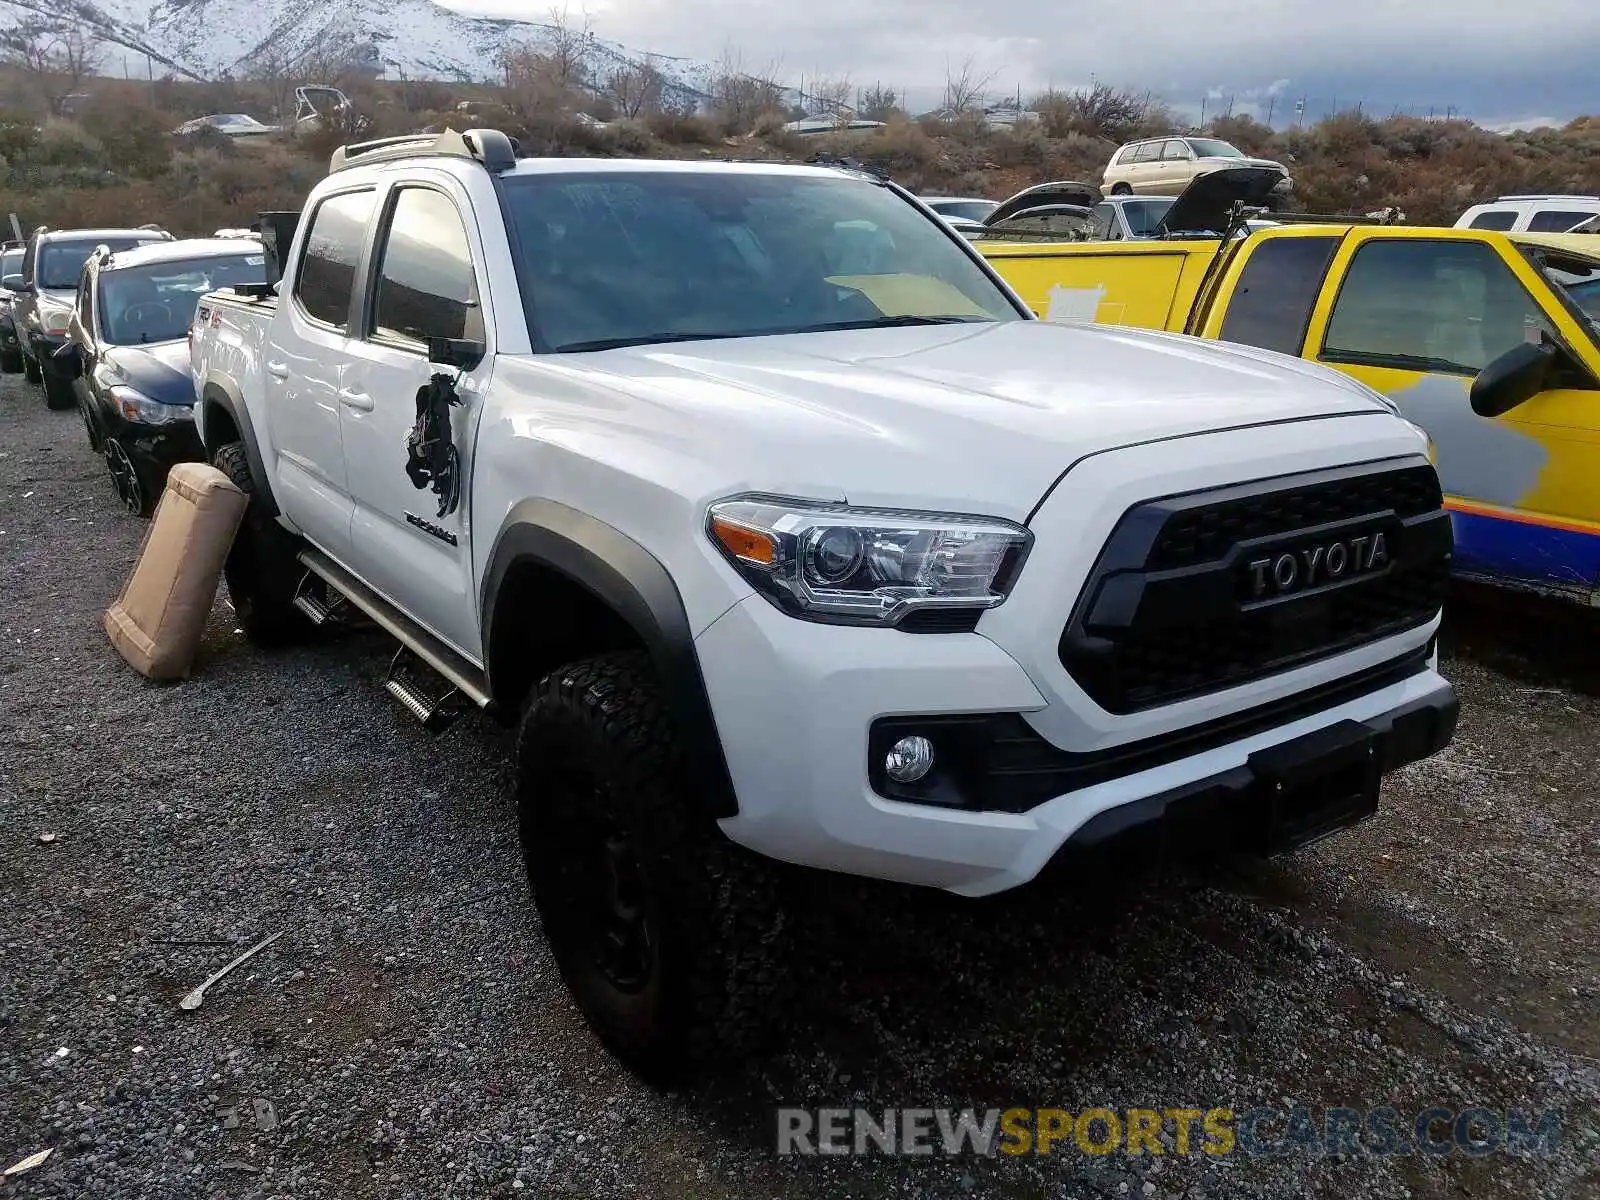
(423,284)
(1416,318)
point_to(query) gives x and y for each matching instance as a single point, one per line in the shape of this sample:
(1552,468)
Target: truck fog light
(909,759)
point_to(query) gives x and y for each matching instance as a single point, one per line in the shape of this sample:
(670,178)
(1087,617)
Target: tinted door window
(1174,151)
(1495,218)
(426,286)
(1555,220)
(1148,152)
(1272,302)
(1447,306)
(327,275)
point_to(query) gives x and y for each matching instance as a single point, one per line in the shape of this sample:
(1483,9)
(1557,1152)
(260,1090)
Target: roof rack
(825,159)
(491,147)
(1545,196)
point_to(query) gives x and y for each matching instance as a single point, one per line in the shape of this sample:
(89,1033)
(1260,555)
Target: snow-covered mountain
(417,38)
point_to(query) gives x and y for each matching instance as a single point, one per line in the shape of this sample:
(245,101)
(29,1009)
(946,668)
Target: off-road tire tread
(727,917)
(261,551)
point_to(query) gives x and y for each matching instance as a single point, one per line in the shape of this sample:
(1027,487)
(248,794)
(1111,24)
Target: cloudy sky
(1494,61)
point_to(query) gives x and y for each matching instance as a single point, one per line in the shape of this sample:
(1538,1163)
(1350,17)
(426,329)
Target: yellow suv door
(1417,314)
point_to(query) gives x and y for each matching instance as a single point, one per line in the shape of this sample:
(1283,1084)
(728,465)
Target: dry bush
(1116,114)
(676,129)
(630,138)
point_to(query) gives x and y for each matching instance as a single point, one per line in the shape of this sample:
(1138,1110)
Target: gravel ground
(408,1034)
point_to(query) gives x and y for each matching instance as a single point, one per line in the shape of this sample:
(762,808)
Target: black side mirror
(15,283)
(69,360)
(1516,377)
(455,352)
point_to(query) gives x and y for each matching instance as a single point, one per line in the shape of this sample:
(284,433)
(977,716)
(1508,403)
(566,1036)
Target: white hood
(931,416)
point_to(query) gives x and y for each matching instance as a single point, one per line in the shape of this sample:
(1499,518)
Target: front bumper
(43,346)
(800,754)
(163,445)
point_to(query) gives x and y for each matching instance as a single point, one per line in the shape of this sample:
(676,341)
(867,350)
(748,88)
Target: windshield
(1579,280)
(971,210)
(616,259)
(60,263)
(1212,148)
(156,302)
(1144,215)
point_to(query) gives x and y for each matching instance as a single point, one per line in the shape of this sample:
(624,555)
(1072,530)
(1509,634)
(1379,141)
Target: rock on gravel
(408,1036)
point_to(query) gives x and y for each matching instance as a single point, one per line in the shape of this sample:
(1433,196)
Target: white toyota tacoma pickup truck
(786,534)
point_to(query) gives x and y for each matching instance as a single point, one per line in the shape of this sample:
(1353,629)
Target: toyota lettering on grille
(1311,566)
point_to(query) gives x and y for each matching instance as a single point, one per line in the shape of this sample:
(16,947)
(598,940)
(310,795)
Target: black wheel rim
(606,917)
(124,476)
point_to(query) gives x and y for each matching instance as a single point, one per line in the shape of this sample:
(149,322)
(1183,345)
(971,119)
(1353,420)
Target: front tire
(134,477)
(10,364)
(58,393)
(667,934)
(262,570)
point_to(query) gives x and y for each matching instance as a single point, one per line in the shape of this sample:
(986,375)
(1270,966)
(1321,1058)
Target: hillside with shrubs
(116,160)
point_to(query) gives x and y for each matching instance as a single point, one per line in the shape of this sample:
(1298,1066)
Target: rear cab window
(326,280)
(1276,291)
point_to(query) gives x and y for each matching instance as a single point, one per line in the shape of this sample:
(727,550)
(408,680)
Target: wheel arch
(226,418)
(597,590)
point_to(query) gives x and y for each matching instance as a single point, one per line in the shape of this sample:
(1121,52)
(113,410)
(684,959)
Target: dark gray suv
(43,292)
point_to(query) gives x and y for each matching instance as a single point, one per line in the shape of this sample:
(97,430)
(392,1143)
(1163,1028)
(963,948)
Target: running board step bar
(467,682)
(319,610)
(435,714)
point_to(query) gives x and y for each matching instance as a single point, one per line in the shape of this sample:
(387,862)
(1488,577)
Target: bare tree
(59,56)
(877,103)
(828,95)
(275,73)
(740,96)
(964,89)
(569,50)
(636,89)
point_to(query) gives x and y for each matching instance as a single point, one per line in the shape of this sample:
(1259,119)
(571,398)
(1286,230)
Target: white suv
(783,531)
(1531,214)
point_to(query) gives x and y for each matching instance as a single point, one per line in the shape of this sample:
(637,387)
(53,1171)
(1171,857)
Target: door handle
(278,370)
(352,399)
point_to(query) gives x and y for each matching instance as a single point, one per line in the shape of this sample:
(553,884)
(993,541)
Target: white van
(1531,214)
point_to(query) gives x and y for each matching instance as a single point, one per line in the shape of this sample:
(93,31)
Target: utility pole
(1272,103)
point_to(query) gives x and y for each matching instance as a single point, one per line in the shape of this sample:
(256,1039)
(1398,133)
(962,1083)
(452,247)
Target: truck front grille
(1193,594)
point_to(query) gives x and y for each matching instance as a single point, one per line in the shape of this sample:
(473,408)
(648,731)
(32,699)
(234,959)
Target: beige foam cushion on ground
(157,621)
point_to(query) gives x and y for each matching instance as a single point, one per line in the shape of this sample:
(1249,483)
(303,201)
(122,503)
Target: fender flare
(632,582)
(224,395)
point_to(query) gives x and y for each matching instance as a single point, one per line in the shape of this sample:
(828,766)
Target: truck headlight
(134,405)
(863,566)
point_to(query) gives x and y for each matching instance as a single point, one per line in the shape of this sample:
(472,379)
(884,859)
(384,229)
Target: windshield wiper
(617,343)
(1402,362)
(892,323)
